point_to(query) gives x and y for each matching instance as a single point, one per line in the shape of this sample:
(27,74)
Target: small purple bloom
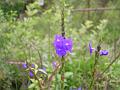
(54,64)
(70,88)
(32,65)
(24,65)
(31,74)
(103,52)
(44,68)
(90,48)
(75,88)
(79,88)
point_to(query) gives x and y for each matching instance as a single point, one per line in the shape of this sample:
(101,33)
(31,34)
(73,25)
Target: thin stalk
(62,73)
(94,9)
(53,74)
(39,54)
(110,64)
(40,57)
(93,82)
(59,66)
(56,82)
(88,5)
(62,59)
(62,23)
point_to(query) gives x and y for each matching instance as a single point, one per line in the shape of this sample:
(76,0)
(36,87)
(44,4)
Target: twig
(110,64)
(53,74)
(15,62)
(40,57)
(41,88)
(94,9)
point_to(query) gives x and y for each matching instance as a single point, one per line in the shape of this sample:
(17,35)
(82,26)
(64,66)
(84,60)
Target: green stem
(93,82)
(56,82)
(62,73)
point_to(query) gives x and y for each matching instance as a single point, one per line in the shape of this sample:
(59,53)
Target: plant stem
(62,73)
(62,23)
(93,82)
(63,59)
(56,82)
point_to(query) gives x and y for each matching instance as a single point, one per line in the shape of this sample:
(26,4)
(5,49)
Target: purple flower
(79,88)
(62,45)
(70,88)
(75,88)
(24,65)
(103,52)
(32,65)
(54,64)
(44,68)
(31,74)
(90,48)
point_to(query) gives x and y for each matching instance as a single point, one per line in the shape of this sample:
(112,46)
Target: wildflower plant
(59,74)
(28,35)
(98,52)
(84,70)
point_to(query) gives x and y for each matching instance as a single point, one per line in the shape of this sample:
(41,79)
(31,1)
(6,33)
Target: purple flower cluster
(62,45)
(24,65)
(102,52)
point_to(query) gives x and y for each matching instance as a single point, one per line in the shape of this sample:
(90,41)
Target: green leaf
(68,74)
(31,86)
(41,70)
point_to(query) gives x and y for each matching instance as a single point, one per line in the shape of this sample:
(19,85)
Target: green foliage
(32,37)
(9,77)
(34,85)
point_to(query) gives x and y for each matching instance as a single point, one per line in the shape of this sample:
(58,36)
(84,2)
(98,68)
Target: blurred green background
(27,29)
